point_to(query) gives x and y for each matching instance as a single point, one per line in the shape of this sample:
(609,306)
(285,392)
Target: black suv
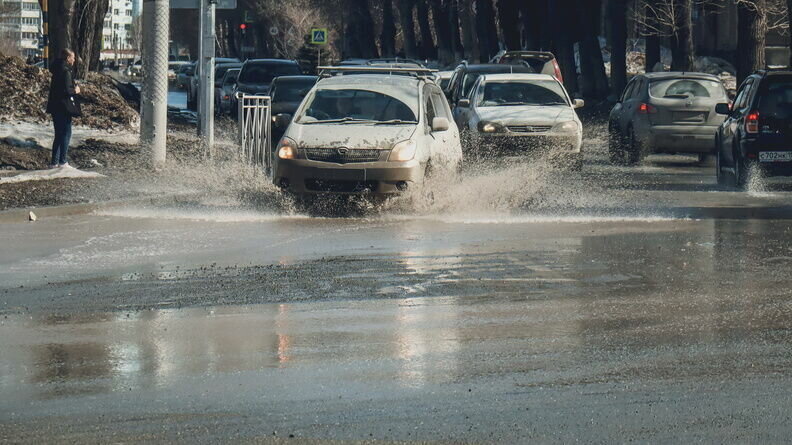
(757,133)
(257,74)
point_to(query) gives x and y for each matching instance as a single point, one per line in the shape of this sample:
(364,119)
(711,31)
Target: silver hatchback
(666,113)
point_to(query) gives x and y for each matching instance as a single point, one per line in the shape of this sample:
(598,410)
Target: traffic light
(243,29)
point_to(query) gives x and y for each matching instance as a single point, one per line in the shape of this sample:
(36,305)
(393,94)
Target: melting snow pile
(24,89)
(55,173)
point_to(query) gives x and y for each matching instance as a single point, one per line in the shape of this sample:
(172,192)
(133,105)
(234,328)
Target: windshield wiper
(394,122)
(337,121)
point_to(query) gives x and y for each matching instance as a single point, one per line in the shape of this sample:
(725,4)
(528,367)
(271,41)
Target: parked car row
(691,113)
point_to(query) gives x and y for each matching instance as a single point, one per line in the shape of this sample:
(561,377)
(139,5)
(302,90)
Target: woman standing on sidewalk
(61,106)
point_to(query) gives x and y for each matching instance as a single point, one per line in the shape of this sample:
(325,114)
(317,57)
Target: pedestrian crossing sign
(319,36)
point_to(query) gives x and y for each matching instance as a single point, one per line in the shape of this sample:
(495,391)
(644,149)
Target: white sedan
(522,113)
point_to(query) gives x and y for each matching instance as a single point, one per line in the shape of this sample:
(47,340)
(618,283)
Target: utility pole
(154,97)
(207,80)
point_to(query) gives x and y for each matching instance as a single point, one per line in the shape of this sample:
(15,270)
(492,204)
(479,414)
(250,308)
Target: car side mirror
(723,108)
(463,103)
(283,120)
(578,103)
(440,124)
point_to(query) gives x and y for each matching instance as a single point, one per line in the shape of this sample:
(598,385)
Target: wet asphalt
(641,304)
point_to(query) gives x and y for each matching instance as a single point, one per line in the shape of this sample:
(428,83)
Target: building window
(115,11)
(129,13)
(127,27)
(115,25)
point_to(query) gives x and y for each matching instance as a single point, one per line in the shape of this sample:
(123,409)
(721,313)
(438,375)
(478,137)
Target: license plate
(775,156)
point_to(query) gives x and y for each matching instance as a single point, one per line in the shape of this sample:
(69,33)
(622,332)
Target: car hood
(349,135)
(253,88)
(285,107)
(526,114)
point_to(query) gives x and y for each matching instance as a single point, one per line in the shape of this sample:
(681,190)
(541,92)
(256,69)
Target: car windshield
(686,88)
(350,105)
(221,70)
(291,91)
(539,92)
(776,101)
(264,73)
(231,76)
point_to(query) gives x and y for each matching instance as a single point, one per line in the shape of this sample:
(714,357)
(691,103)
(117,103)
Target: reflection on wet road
(514,339)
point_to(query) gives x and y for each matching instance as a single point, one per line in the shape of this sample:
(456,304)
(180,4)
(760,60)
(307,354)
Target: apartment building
(118,34)
(20,26)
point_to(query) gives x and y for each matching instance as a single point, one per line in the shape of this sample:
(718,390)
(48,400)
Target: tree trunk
(359,31)
(789,22)
(77,25)
(592,68)
(534,16)
(652,42)
(508,16)
(456,38)
(468,30)
(752,32)
(408,28)
(388,35)
(445,52)
(563,44)
(486,30)
(427,47)
(60,30)
(618,31)
(682,40)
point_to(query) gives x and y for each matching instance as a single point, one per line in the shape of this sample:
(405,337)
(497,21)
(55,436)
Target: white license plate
(775,156)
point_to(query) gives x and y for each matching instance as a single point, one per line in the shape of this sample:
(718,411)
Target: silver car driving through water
(522,114)
(377,133)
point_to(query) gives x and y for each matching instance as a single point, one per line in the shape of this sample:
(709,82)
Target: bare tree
(407,21)
(388,33)
(617,12)
(427,47)
(9,33)
(293,19)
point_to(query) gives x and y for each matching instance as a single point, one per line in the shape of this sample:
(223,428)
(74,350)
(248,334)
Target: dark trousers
(63,132)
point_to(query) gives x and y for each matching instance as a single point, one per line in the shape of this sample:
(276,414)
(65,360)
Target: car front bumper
(304,177)
(500,143)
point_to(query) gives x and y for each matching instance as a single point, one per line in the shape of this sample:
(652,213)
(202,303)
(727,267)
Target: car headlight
(403,151)
(490,127)
(287,148)
(566,127)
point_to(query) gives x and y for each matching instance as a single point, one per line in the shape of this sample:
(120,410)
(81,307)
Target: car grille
(342,155)
(329,185)
(529,128)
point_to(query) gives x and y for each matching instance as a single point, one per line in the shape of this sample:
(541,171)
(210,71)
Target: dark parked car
(192,88)
(757,132)
(665,113)
(541,61)
(226,90)
(287,92)
(257,74)
(465,76)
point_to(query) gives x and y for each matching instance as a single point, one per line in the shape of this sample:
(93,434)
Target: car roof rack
(330,71)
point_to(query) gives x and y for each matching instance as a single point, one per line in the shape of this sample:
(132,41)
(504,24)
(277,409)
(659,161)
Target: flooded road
(649,305)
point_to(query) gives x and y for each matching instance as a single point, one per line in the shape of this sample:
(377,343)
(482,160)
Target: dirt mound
(24,89)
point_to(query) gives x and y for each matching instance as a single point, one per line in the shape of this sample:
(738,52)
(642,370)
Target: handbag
(72,107)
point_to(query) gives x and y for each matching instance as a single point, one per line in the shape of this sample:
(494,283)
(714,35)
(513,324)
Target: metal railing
(254,126)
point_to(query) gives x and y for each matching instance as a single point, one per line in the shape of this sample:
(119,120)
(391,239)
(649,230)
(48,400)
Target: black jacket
(61,87)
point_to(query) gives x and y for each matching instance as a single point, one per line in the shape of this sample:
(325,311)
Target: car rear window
(356,104)
(264,73)
(686,88)
(539,92)
(775,99)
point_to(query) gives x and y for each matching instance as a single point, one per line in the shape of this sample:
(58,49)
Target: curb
(23,215)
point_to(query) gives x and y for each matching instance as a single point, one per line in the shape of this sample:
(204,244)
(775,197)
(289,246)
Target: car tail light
(225,97)
(557,70)
(752,122)
(646,109)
